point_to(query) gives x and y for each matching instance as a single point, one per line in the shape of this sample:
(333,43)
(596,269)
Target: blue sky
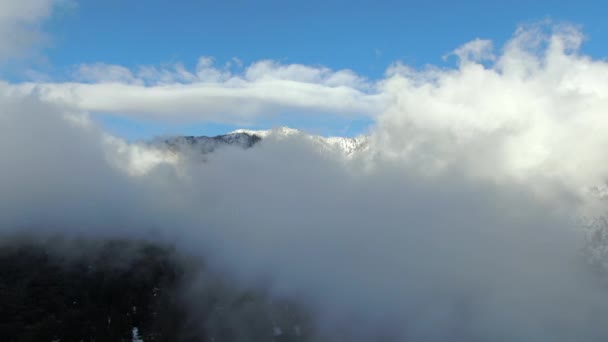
(363,36)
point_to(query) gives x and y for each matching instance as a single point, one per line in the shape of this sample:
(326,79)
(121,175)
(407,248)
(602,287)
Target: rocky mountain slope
(248,138)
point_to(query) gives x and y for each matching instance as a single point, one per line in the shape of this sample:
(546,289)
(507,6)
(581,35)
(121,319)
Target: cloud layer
(458,222)
(239,96)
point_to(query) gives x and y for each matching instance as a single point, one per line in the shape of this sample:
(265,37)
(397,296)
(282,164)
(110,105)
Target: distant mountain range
(248,138)
(143,156)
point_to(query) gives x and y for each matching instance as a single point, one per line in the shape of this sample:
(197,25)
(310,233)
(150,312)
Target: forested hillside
(127,291)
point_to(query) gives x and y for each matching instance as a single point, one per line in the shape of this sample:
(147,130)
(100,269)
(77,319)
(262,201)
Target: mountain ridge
(245,138)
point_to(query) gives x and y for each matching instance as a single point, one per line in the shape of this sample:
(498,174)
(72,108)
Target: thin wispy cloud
(20,23)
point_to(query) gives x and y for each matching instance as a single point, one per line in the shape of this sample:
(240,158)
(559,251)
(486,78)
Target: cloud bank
(457,223)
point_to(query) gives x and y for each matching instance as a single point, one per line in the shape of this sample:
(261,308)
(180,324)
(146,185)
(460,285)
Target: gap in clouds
(133,130)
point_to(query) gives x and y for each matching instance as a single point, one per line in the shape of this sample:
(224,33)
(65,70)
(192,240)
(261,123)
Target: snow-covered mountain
(140,157)
(206,144)
(248,138)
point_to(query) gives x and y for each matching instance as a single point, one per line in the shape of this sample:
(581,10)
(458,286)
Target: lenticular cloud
(458,221)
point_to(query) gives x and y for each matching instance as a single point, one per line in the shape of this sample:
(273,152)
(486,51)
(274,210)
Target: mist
(460,221)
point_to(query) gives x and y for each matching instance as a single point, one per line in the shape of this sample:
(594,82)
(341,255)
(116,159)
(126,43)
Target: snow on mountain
(248,138)
(348,145)
(140,157)
(344,144)
(281,131)
(205,144)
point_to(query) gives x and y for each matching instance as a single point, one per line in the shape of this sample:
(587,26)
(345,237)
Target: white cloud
(105,73)
(538,110)
(210,93)
(19,24)
(475,51)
